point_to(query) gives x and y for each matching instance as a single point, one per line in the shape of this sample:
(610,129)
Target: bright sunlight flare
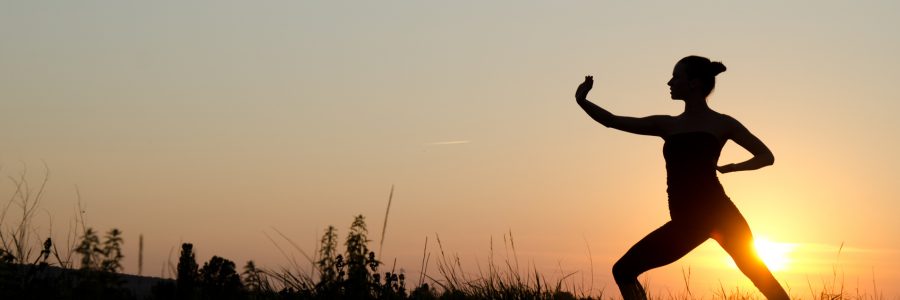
(775,255)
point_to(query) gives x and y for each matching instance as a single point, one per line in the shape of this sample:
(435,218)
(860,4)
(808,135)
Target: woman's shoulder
(727,119)
(729,124)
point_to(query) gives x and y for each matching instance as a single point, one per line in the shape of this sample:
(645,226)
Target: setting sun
(774,254)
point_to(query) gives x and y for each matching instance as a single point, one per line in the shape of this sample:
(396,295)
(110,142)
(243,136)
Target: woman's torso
(691,158)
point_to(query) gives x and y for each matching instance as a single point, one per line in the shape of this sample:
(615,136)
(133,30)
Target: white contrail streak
(450,143)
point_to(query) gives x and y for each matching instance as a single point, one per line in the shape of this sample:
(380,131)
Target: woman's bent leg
(661,247)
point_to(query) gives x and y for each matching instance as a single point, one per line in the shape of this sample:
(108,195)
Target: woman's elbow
(769,160)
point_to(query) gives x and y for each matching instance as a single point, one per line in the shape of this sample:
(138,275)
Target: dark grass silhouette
(89,266)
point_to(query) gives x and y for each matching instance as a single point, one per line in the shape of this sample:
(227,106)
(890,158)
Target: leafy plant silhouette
(219,280)
(353,274)
(255,280)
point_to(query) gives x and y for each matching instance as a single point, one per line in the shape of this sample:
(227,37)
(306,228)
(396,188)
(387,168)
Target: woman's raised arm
(651,125)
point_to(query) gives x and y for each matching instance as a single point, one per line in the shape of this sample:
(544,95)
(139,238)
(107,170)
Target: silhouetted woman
(698,206)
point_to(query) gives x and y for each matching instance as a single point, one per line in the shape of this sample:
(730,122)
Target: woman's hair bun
(716,67)
(699,67)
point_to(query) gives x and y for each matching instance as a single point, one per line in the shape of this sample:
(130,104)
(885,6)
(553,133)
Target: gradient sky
(220,122)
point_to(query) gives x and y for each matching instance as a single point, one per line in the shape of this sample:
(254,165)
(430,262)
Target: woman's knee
(623,271)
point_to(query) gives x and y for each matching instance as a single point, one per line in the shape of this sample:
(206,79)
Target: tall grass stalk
(424,268)
(591,261)
(384,226)
(310,259)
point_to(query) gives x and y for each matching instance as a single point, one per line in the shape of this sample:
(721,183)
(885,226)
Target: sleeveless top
(693,186)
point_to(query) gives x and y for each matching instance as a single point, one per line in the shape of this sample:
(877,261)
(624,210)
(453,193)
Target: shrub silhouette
(254,279)
(353,274)
(112,252)
(219,280)
(97,277)
(361,262)
(89,249)
(330,264)
(188,275)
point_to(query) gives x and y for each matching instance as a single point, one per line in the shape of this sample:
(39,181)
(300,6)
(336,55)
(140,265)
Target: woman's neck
(695,106)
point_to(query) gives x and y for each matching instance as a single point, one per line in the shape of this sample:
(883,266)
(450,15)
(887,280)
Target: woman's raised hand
(584,88)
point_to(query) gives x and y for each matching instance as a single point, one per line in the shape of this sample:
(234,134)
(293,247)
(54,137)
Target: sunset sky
(221,123)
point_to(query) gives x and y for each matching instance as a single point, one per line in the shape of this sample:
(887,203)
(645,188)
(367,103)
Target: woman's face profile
(679,85)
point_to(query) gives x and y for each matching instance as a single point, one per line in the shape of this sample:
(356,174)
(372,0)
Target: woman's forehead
(679,68)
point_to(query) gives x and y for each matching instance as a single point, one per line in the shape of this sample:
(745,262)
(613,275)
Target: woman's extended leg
(661,247)
(737,240)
